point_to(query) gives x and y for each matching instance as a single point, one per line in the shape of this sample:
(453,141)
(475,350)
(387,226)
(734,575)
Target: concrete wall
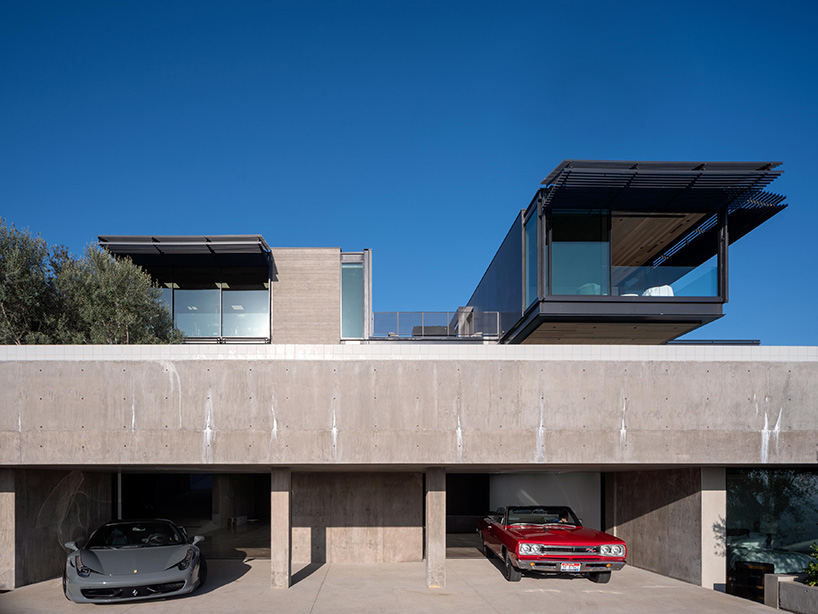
(357,517)
(50,508)
(388,405)
(658,514)
(579,491)
(306,295)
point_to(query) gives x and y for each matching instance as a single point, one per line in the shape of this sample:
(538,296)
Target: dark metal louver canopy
(737,187)
(248,250)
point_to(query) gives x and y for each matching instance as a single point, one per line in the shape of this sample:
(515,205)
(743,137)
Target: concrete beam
(436,527)
(281,527)
(333,407)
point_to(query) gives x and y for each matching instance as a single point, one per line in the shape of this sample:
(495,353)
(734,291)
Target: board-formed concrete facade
(661,422)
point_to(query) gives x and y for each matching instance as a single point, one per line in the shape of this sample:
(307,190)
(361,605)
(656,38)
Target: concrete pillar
(8,551)
(714,528)
(436,527)
(281,527)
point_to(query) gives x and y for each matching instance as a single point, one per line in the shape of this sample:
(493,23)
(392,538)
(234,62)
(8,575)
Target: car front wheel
(600,577)
(512,573)
(202,571)
(486,550)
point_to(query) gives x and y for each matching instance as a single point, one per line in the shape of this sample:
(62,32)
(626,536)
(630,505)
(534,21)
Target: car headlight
(185,562)
(612,550)
(526,548)
(82,570)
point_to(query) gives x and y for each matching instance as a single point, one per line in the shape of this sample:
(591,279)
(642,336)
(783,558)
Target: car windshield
(135,534)
(542,515)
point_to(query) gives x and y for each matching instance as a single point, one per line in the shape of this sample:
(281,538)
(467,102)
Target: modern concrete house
(350,435)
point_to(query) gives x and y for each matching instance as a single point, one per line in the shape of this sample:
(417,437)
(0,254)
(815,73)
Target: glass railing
(702,280)
(460,324)
(658,281)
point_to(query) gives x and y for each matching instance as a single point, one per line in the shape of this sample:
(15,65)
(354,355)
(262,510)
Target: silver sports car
(127,560)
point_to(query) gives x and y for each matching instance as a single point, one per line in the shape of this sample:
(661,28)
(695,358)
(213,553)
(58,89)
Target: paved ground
(474,586)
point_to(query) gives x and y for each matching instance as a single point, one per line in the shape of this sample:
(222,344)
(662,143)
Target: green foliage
(774,498)
(49,296)
(812,569)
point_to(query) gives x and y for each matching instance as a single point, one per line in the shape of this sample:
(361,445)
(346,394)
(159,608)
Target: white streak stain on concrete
(777,429)
(765,440)
(539,457)
(623,433)
(133,413)
(459,441)
(207,440)
(175,386)
(334,431)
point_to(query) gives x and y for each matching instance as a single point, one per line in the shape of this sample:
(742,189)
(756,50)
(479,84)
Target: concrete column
(436,527)
(714,528)
(8,551)
(281,527)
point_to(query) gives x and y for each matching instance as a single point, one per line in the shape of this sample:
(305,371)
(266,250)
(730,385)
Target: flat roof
(664,169)
(184,244)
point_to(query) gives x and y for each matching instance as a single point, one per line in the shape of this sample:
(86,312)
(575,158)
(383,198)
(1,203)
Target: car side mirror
(197,539)
(72,546)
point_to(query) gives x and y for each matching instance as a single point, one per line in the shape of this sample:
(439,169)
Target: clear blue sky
(416,129)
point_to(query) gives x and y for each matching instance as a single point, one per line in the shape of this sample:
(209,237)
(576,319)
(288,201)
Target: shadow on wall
(642,493)
(351,517)
(54,507)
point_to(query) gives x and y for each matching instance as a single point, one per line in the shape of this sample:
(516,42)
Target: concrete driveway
(473,585)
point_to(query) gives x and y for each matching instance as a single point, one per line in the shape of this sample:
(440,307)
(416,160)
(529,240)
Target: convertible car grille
(559,550)
(131,592)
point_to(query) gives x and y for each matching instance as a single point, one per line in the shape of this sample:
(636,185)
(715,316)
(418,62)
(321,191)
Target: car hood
(127,561)
(580,536)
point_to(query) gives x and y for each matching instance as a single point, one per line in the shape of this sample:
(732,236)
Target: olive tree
(50,296)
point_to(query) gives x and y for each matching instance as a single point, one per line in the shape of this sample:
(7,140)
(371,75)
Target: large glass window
(620,253)
(352,300)
(217,302)
(663,254)
(772,520)
(580,253)
(531,294)
(196,308)
(245,302)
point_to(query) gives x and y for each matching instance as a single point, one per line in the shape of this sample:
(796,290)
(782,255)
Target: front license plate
(570,566)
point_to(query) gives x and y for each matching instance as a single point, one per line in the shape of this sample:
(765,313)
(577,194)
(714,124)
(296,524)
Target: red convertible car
(549,539)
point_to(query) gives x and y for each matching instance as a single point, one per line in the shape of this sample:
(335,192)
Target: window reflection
(772,519)
(580,259)
(218,302)
(352,300)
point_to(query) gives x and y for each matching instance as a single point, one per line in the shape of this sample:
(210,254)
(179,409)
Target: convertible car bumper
(567,565)
(115,589)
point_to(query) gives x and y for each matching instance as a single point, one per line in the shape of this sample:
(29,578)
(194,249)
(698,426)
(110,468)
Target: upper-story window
(229,302)
(631,254)
(355,294)
(653,254)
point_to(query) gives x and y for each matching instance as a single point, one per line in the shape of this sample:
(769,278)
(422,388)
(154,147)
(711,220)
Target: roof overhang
(247,250)
(735,187)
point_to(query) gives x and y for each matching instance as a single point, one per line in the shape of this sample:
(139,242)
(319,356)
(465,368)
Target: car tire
(202,571)
(600,577)
(512,573)
(486,550)
(64,587)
